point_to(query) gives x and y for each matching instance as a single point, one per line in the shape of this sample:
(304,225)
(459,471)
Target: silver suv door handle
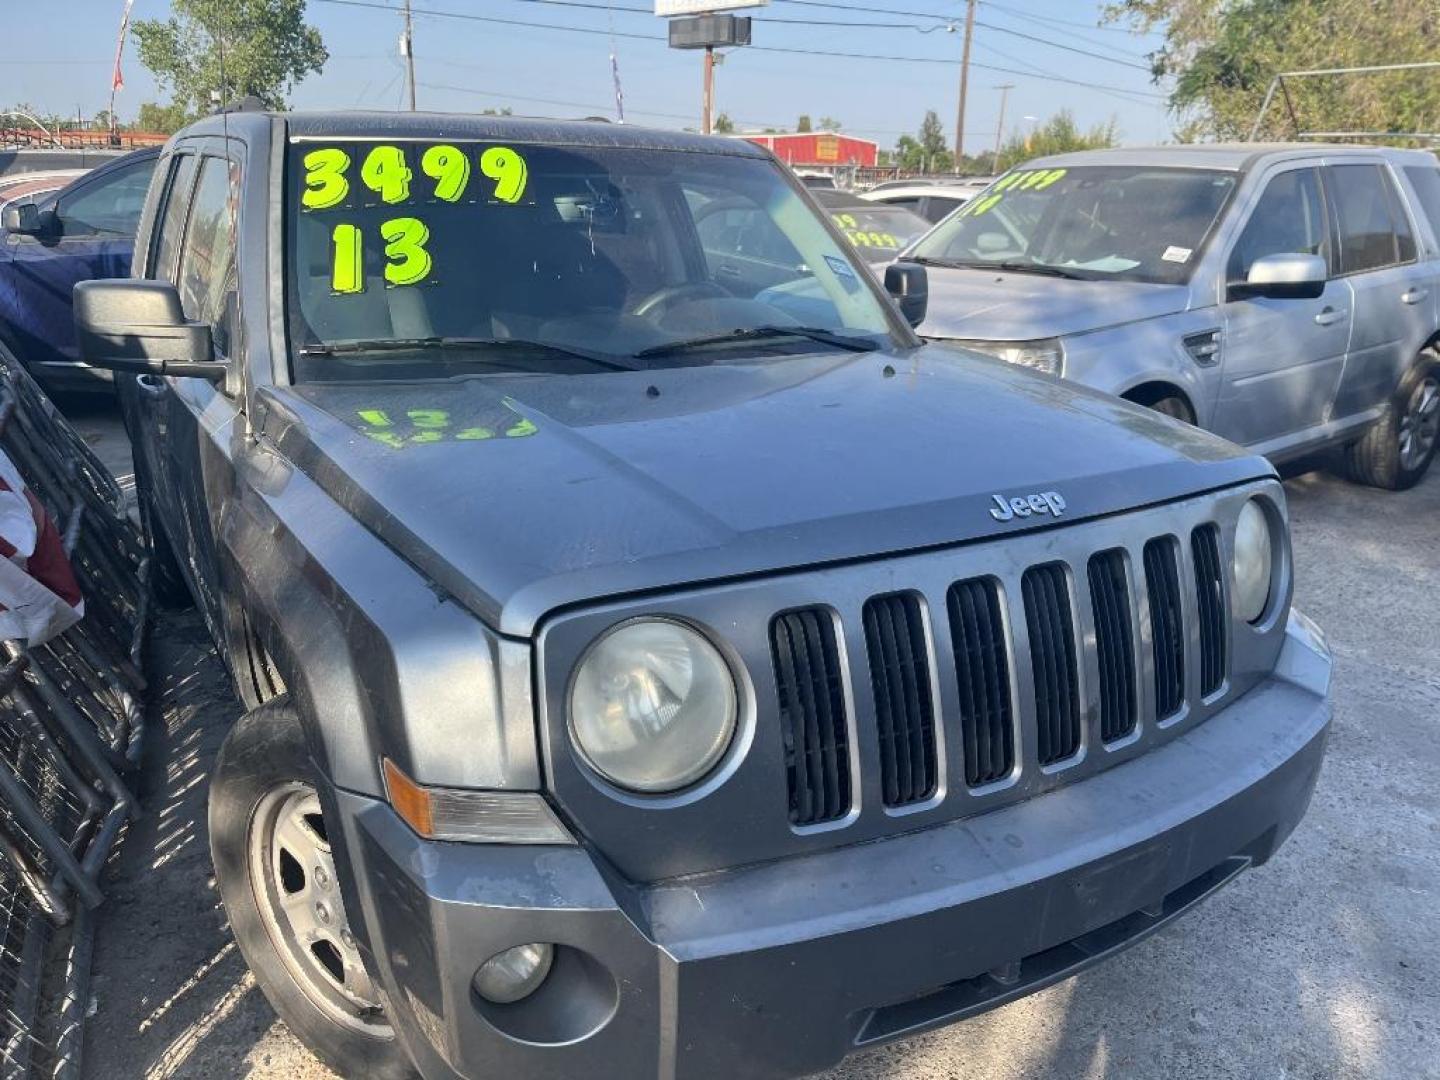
(1330,315)
(1414,296)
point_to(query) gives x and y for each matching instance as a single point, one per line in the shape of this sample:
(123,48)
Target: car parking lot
(1322,964)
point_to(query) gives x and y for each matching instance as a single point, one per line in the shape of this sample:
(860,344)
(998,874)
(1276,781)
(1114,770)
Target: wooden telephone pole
(707,96)
(964,84)
(408,44)
(1000,127)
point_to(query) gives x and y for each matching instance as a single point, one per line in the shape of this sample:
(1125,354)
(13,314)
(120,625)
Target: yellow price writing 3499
(392,173)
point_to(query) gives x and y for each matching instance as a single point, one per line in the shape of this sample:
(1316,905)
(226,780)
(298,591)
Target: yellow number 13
(407,261)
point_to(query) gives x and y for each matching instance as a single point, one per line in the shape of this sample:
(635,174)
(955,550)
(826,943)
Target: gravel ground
(1323,964)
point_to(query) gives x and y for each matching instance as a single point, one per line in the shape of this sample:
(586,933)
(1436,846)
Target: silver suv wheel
(1420,424)
(292,872)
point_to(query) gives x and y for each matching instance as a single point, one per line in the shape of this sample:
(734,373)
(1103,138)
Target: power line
(469,17)
(1061,45)
(1017,13)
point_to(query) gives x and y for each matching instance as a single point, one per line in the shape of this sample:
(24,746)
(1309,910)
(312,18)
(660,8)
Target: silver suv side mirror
(1282,277)
(140,327)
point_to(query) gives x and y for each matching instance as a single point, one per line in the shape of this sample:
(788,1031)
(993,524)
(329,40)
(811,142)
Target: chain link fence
(71,725)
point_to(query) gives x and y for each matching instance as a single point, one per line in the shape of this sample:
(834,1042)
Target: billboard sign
(670,8)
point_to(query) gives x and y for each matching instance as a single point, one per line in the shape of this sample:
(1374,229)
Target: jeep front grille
(811,694)
(1210,601)
(1167,625)
(1052,658)
(895,643)
(982,669)
(1114,648)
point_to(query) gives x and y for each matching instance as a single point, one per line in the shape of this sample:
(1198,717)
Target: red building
(820,148)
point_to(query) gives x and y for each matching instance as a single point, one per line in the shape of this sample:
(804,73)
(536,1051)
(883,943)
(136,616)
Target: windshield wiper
(758,333)
(365,345)
(948,264)
(1015,266)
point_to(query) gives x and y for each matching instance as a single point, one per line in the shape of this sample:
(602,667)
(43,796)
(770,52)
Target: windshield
(1100,222)
(418,258)
(878,232)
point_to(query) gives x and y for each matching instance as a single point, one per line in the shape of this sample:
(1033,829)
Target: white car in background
(933,198)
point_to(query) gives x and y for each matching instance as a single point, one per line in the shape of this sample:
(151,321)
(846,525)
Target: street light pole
(964,85)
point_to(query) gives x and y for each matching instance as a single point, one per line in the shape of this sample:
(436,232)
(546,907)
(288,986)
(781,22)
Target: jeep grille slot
(812,714)
(1210,601)
(904,704)
(1114,646)
(982,667)
(1167,626)
(1046,592)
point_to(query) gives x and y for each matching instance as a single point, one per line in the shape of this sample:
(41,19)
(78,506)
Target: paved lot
(1326,963)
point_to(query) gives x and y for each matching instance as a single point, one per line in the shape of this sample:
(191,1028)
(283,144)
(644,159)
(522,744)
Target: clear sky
(469,64)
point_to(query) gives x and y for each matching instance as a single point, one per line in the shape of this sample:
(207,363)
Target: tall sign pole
(707,95)
(964,85)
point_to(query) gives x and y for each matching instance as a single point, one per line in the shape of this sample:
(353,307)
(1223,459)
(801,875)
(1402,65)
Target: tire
(1172,405)
(1396,451)
(263,813)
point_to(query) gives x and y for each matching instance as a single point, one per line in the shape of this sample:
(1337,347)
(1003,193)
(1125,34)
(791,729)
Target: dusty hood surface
(518,495)
(999,306)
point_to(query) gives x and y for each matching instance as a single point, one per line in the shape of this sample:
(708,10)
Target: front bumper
(780,969)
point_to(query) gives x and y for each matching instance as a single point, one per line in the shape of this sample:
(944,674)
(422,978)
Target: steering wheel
(663,298)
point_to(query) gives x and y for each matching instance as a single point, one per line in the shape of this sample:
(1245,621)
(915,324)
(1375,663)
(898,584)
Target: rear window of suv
(1426,182)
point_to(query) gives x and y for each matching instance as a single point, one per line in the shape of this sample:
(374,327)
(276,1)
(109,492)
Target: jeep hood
(996,306)
(518,495)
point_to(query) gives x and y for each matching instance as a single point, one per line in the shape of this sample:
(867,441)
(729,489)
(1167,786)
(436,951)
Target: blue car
(84,230)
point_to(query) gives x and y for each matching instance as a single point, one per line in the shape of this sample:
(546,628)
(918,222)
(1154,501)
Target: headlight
(1253,559)
(1047,355)
(653,706)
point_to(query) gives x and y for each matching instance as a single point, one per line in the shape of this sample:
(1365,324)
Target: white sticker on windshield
(1176,254)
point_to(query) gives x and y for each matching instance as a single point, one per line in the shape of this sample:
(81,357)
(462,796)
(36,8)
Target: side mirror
(910,286)
(139,326)
(27,219)
(1282,277)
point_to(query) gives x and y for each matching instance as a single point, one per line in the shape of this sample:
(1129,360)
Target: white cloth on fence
(38,594)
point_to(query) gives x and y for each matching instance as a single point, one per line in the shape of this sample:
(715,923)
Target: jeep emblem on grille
(1045,502)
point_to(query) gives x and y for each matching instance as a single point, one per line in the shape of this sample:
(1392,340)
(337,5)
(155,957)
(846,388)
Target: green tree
(829,123)
(803,125)
(723,125)
(1058,135)
(1222,58)
(164,119)
(925,151)
(236,47)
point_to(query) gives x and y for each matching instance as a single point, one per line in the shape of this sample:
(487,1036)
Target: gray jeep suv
(1286,297)
(644,682)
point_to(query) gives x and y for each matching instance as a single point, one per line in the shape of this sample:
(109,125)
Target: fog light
(514,974)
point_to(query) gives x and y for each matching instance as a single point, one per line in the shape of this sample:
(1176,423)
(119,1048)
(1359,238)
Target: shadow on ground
(1320,965)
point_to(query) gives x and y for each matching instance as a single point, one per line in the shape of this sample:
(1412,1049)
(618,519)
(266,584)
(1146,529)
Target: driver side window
(108,206)
(1289,219)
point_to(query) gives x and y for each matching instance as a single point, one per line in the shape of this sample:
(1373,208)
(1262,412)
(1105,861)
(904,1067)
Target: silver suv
(1284,296)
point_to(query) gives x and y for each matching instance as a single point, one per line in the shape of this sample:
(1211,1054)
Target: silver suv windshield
(1097,222)
(419,258)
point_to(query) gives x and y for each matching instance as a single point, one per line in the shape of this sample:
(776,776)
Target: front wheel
(1396,451)
(275,868)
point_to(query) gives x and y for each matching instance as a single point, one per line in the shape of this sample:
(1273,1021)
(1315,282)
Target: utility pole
(1000,127)
(964,84)
(407,46)
(707,96)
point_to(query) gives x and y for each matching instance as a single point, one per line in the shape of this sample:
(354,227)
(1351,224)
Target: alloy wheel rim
(292,871)
(1420,425)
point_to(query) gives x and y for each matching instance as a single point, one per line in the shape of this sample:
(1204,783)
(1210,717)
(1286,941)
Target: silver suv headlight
(1046,355)
(652,706)
(1254,558)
